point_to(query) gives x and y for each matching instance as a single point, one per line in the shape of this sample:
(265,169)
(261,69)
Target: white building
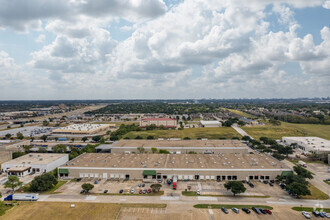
(34,163)
(315,144)
(210,124)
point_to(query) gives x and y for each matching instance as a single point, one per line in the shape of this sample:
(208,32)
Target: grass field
(289,129)
(309,209)
(316,194)
(62,210)
(243,114)
(193,133)
(218,206)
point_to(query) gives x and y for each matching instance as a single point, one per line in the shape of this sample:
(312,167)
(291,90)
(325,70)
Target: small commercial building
(184,166)
(175,146)
(166,122)
(82,129)
(309,144)
(210,124)
(34,163)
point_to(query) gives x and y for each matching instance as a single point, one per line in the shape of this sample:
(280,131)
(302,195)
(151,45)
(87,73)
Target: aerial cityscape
(164,109)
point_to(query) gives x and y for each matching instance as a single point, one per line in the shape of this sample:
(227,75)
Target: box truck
(175,181)
(302,163)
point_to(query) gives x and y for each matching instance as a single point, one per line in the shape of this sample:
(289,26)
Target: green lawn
(218,206)
(309,209)
(58,185)
(289,129)
(193,133)
(327,182)
(316,194)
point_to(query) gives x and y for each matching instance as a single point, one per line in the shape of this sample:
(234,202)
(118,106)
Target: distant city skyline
(154,49)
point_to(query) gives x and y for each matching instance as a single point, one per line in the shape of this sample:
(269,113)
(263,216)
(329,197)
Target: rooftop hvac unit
(31,155)
(40,158)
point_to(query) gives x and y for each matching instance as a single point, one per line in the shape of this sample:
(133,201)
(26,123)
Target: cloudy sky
(127,49)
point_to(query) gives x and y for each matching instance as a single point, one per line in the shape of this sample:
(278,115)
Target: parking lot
(28,131)
(206,188)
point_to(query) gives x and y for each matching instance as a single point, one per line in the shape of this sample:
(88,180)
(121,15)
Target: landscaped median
(316,194)
(193,193)
(218,206)
(25,189)
(160,193)
(310,209)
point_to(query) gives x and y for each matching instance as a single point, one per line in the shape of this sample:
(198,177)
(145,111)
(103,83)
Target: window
(251,177)
(262,177)
(223,177)
(229,177)
(234,177)
(267,177)
(256,177)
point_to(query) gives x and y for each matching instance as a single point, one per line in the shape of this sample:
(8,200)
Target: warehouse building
(175,146)
(210,124)
(309,144)
(83,129)
(34,163)
(166,122)
(184,166)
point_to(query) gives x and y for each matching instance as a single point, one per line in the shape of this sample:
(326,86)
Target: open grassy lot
(218,206)
(243,114)
(316,194)
(193,133)
(289,129)
(62,210)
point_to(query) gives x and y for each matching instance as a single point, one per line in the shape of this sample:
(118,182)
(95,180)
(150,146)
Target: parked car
(139,185)
(198,192)
(326,214)
(235,210)
(317,214)
(246,210)
(96,182)
(224,210)
(121,191)
(306,214)
(140,191)
(268,211)
(256,210)
(263,211)
(159,181)
(143,185)
(271,184)
(265,182)
(105,191)
(83,191)
(251,185)
(145,191)
(132,191)
(79,179)
(149,191)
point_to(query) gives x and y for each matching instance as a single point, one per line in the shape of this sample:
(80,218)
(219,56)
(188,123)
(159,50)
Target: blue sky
(84,49)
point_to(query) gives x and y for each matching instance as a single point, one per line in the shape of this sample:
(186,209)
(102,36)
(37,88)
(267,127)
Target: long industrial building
(176,146)
(82,129)
(309,144)
(184,166)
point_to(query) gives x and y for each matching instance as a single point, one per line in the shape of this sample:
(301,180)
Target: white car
(132,191)
(306,214)
(326,214)
(198,192)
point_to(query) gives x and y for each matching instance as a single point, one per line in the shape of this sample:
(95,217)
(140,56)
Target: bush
(150,137)
(186,138)
(162,151)
(138,137)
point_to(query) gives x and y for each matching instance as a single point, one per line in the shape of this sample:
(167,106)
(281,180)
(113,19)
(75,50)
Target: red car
(268,211)
(149,190)
(140,192)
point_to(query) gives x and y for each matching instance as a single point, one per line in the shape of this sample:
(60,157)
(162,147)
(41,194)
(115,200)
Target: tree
(246,138)
(8,136)
(19,135)
(116,138)
(72,139)
(43,183)
(285,150)
(155,187)
(45,123)
(22,125)
(138,137)
(162,151)
(303,172)
(32,138)
(227,123)
(96,138)
(43,137)
(13,182)
(84,139)
(87,187)
(18,154)
(186,138)
(59,148)
(27,148)
(108,132)
(299,189)
(42,150)
(56,138)
(278,156)
(236,187)
(154,150)
(141,149)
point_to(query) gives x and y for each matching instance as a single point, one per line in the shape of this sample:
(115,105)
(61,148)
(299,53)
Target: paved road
(191,200)
(241,131)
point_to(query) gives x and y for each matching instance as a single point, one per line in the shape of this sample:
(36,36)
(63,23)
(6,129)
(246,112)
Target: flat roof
(209,122)
(82,127)
(35,158)
(179,143)
(176,161)
(18,169)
